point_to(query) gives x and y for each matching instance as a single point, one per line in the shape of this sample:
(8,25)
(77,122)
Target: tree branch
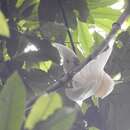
(67,77)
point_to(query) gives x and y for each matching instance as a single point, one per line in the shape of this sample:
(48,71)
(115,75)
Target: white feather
(92,79)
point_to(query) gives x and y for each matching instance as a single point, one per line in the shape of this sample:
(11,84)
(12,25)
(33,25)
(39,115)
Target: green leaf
(104,24)
(95,101)
(45,106)
(4,29)
(12,100)
(93,128)
(45,66)
(84,107)
(92,4)
(19,3)
(97,38)
(85,38)
(62,120)
(105,13)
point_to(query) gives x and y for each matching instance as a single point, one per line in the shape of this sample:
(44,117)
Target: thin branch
(67,25)
(67,77)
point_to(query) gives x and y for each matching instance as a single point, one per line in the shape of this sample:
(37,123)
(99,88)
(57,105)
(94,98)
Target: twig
(67,25)
(67,77)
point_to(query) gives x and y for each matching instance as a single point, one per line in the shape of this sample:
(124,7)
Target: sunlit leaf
(45,106)
(85,38)
(45,66)
(12,100)
(62,120)
(4,29)
(76,44)
(92,4)
(75,36)
(128,23)
(105,13)
(105,24)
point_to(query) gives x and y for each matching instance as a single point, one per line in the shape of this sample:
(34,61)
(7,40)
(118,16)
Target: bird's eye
(67,61)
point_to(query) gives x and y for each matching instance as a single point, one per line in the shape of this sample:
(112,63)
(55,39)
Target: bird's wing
(105,87)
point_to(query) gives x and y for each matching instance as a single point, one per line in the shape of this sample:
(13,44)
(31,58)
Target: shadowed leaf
(45,106)
(12,99)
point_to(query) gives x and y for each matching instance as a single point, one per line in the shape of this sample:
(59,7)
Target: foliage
(40,23)
(4,26)
(12,100)
(93,128)
(43,108)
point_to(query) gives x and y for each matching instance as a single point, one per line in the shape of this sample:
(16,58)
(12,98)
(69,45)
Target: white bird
(69,59)
(91,79)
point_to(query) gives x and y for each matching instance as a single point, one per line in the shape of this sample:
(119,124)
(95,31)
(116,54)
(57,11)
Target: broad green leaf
(85,38)
(92,4)
(45,106)
(12,100)
(45,66)
(105,13)
(75,36)
(127,23)
(93,128)
(19,3)
(90,20)
(97,38)
(77,44)
(62,120)
(54,104)
(104,24)
(4,29)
